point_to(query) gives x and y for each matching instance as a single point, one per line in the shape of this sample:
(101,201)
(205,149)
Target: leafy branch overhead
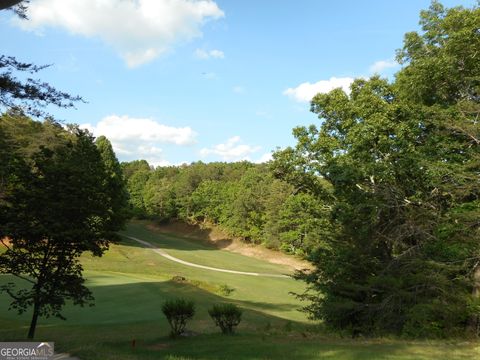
(19,7)
(28,95)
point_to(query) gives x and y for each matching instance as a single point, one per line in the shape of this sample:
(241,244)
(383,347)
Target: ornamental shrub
(226,316)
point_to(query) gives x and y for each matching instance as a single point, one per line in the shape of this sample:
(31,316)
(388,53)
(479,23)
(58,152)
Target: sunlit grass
(131,282)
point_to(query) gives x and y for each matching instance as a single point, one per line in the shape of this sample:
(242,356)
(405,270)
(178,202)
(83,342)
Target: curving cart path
(163,253)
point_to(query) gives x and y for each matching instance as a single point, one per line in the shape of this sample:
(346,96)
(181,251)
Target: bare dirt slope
(216,237)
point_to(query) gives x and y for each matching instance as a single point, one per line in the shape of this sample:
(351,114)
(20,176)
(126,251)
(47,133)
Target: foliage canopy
(54,206)
(402,160)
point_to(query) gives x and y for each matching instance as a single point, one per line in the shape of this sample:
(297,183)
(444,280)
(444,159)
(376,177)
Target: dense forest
(244,199)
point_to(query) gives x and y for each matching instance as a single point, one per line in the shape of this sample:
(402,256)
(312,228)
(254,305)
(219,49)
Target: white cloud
(149,150)
(217,54)
(379,66)
(238,89)
(205,55)
(124,128)
(232,150)
(158,162)
(140,30)
(138,138)
(264,158)
(306,91)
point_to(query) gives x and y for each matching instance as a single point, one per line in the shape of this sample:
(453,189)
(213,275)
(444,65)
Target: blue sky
(175,81)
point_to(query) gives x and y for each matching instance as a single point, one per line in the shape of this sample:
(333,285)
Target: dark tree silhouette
(18,89)
(17,6)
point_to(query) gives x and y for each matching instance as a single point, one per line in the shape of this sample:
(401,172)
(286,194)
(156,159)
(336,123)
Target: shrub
(226,316)
(435,320)
(226,290)
(177,312)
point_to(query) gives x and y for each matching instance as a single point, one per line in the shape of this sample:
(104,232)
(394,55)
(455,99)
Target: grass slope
(130,283)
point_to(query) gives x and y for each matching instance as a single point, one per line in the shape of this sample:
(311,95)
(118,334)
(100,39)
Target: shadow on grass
(128,312)
(281,346)
(292,347)
(170,240)
(118,305)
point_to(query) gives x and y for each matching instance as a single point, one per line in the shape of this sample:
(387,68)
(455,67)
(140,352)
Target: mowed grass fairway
(130,283)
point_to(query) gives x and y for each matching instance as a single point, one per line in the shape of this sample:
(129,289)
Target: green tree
(247,212)
(207,201)
(401,248)
(29,96)
(115,184)
(131,167)
(136,185)
(279,192)
(302,223)
(159,197)
(55,208)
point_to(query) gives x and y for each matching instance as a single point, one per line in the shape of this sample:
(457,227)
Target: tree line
(246,200)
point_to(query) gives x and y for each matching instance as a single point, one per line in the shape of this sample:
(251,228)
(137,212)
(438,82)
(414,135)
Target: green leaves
(178,312)
(115,185)
(57,204)
(402,162)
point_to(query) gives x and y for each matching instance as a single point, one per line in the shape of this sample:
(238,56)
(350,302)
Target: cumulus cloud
(140,30)
(306,91)
(125,128)
(239,89)
(232,150)
(379,66)
(212,54)
(140,138)
(264,158)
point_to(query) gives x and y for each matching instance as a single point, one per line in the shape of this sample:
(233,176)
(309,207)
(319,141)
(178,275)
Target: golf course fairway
(131,281)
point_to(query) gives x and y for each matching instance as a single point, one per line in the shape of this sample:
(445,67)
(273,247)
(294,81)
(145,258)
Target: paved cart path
(163,253)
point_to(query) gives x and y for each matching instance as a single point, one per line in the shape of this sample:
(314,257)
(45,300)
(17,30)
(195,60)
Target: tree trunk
(33,323)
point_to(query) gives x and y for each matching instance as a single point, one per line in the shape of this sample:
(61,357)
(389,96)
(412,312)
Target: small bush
(177,312)
(435,320)
(225,290)
(226,316)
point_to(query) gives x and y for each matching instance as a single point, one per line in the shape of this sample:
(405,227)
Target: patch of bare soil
(5,241)
(214,236)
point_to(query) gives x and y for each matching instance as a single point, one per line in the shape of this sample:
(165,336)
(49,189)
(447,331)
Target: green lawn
(130,283)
